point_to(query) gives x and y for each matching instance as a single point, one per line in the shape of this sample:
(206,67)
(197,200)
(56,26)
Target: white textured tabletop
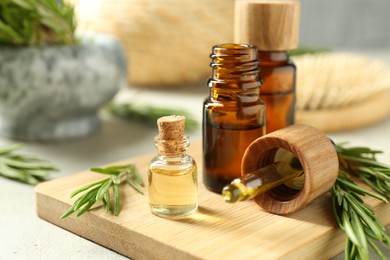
(23,235)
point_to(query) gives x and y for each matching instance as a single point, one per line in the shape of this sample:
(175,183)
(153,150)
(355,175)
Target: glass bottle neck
(235,73)
(273,57)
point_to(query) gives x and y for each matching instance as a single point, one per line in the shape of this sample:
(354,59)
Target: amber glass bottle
(272,26)
(278,89)
(233,114)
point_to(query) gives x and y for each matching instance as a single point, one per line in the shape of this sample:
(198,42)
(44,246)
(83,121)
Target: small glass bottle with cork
(172,178)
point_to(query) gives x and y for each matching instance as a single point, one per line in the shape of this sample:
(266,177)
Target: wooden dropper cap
(269,25)
(316,154)
(171,135)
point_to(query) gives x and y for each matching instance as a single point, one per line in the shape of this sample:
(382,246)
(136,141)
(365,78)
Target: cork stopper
(315,153)
(171,135)
(270,25)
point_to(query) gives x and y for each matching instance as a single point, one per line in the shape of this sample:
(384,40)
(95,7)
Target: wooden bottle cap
(269,25)
(316,154)
(171,135)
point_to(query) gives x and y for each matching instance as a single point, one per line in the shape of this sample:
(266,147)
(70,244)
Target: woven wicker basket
(167,42)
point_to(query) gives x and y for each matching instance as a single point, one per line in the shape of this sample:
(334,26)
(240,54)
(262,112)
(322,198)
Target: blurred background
(166,44)
(345,24)
(168,41)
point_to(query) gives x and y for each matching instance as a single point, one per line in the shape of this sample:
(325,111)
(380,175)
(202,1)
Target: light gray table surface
(23,235)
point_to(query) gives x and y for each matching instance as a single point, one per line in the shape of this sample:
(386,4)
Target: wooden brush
(341,91)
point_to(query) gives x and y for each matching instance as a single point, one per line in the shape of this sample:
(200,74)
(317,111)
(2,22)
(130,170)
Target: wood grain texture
(269,25)
(217,231)
(316,154)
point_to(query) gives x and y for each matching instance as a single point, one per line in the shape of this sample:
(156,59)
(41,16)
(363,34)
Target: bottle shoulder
(184,161)
(223,105)
(286,66)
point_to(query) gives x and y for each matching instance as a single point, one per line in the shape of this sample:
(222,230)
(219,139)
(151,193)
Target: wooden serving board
(218,231)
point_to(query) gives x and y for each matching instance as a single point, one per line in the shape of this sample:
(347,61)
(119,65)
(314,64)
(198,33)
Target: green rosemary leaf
(148,114)
(360,162)
(108,200)
(100,190)
(26,22)
(348,248)
(373,225)
(358,227)
(105,171)
(343,174)
(349,230)
(38,173)
(372,184)
(135,187)
(373,171)
(26,165)
(23,167)
(24,4)
(68,212)
(116,199)
(307,50)
(10,148)
(105,204)
(118,178)
(345,205)
(369,233)
(103,189)
(340,200)
(86,207)
(366,209)
(135,175)
(31,180)
(78,203)
(386,240)
(86,197)
(11,173)
(376,249)
(353,252)
(86,187)
(361,190)
(380,186)
(357,197)
(363,161)
(336,212)
(337,195)
(120,167)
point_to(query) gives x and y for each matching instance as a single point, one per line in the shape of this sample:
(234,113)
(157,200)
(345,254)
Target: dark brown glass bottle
(233,114)
(272,26)
(278,89)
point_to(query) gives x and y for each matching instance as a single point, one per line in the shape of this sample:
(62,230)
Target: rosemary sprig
(308,50)
(36,22)
(23,167)
(100,190)
(355,218)
(148,114)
